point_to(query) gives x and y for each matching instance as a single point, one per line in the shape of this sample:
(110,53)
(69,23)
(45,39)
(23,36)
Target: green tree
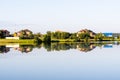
(38,40)
(84,35)
(48,33)
(73,36)
(47,39)
(99,36)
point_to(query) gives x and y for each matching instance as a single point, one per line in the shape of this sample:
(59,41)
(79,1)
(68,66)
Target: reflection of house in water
(116,43)
(24,48)
(4,49)
(85,47)
(13,45)
(108,46)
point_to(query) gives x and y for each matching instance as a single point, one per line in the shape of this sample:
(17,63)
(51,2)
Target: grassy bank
(17,41)
(63,40)
(32,41)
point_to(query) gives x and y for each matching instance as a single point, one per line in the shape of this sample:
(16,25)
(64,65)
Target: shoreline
(17,41)
(29,41)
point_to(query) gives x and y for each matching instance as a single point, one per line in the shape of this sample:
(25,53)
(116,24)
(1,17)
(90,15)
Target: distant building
(111,34)
(25,32)
(116,34)
(91,33)
(108,34)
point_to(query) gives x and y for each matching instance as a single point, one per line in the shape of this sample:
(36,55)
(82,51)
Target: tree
(15,34)
(39,34)
(73,36)
(99,36)
(38,40)
(4,33)
(84,35)
(30,36)
(47,39)
(49,33)
(1,34)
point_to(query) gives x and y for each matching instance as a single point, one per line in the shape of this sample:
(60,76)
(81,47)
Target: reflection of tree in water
(37,46)
(56,46)
(47,46)
(25,48)
(85,47)
(59,46)
(4,49)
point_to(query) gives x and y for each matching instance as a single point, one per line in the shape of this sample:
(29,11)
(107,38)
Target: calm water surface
(60,62)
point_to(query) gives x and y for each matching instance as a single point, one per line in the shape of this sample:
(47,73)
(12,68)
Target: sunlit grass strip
(17,41)
(63,40)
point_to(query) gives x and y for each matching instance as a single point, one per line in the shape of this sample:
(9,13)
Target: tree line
(84,35)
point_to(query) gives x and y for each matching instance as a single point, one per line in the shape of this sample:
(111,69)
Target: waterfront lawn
(17,41)
(62,40)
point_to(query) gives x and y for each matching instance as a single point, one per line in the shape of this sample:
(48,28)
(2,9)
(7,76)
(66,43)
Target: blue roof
(108,34)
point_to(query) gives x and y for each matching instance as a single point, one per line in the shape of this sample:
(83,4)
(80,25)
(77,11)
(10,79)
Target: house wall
(116,34)
(12,37)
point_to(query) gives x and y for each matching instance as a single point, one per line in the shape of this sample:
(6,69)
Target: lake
(60,61)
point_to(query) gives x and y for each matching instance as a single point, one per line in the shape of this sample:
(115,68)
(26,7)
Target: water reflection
(4,49)
(24,48)
(83,47)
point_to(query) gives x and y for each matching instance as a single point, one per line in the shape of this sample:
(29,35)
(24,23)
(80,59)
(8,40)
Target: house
(26,34)
(116,35)
(91,33)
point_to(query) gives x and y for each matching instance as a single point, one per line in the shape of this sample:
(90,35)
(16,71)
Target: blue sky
(66,15)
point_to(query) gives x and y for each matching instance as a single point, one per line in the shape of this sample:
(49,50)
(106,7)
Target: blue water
(73,64)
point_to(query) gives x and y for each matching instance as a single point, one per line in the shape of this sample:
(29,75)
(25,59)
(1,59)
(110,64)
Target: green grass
(63,40)
(17,41)
(32,41)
